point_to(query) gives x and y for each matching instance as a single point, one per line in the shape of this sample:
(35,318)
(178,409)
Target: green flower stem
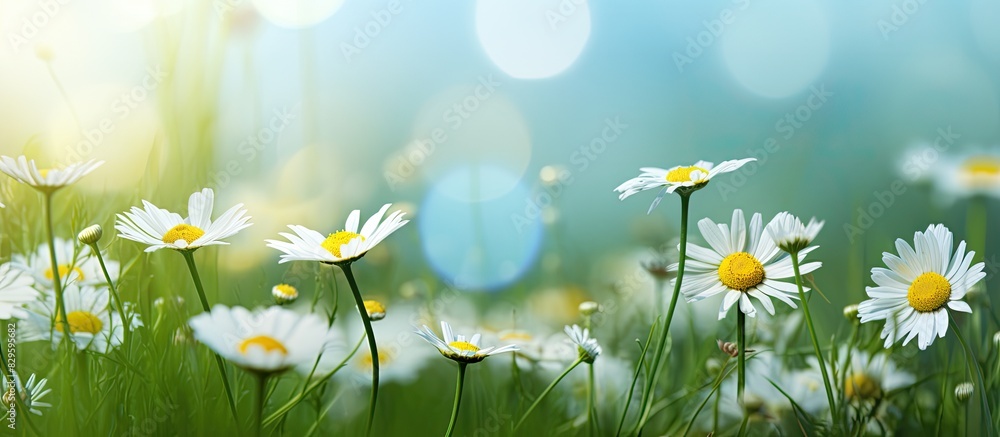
(591,401)
(115,297)
(649,392)
(56,280)
(189,258)
(458,399)
(812,335)
(973,364)
(259,405)
(741,364)
(275,416)
(346,267)
(546,392)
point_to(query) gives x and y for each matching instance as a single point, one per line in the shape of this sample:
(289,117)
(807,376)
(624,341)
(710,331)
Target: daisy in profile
(77,265)
(91,322)
(264,341)
(586,346)
(969,175)
(31,393)
(342,246)
(681,178)
(458,347)
(46,180)
(741,265)
(162,229)
(15,292)
(914,294)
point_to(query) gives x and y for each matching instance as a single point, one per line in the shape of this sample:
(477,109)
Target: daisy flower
(914,294)
(739,268)
(15,291)
(284,294)
(586,346)
(76,266)
(870,376)
(31,393)
(264,341)
(974,174)
(790,234)
(46,180)
(457,348)
(93,325)
(341,246)
(161,229)
(683,178)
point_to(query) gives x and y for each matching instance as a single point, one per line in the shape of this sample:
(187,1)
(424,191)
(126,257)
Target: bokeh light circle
(775,49)
(297,14)
(480,245)
(533,39)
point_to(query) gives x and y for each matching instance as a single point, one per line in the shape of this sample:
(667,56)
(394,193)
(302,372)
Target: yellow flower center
(286,291)
(335,240)
(929,292)
(184,232)
(384,357)
(464,346)
(982,166)
(374,307)
(516,336)
(740,271)
(44,172)
(683,174)
(861,386)
(80,321)
(64,271)
(268,343)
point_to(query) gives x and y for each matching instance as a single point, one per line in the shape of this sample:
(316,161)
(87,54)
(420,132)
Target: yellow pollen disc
(80,321)
(861,386)
(184,232)
(516,336)
(286,290)
(374,306)
(44,172)
(740,271)
(683,174)
(269,344)
(929,292)
(335,240)
(64,271)
(384,357)
(982,166)
(464,346)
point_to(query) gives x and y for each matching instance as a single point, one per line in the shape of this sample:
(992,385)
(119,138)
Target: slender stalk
(546,392)
(259,405)
(649,391)
(114,297)
(189,258)
(56,280)
(972,364)
(458,399)
(346,267)
(591,401)
(812,335)
(715,387)
(741,365)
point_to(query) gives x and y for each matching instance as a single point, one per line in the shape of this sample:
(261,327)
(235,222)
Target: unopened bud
(963,392)
(589,308)
(851,312)
(284,294)
(90,235)
(375,310)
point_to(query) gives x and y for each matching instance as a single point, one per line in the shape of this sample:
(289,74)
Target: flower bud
(90,235)
(963,392)
(375,309)
(851,312)
(589,307)
(284,294)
